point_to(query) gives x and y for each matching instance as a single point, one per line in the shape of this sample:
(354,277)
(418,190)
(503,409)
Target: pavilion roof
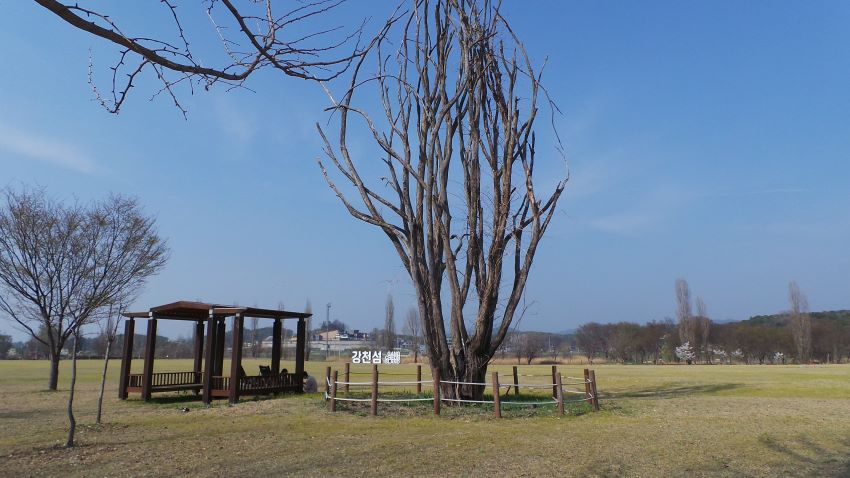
(191,310)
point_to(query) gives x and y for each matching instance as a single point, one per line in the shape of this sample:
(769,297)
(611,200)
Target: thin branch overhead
(273,39)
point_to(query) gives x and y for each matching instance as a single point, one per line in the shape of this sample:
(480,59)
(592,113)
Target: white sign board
(393,357)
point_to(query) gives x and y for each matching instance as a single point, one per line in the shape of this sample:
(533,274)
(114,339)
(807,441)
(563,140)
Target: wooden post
(218,369)
(209,359)
(199,351)
(347,375)
(554,386)
(150,348)
(560,395)
(436,379)
(333,393)
(497,401)
(299,354)
(516,381)
(276,347)
(327,380)
(236,359)
(593,389)
(127,358)
(374,389)
(587,390)
(418,378)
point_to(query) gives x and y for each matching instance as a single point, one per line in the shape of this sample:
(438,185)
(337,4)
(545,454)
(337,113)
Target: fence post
(587,390)
(516,381)
(554,386)
(560,395)
(497,402)
(328,380)
(333,392)
(436,379)
(593,388)
(347,375)
(418,378)
(374,389)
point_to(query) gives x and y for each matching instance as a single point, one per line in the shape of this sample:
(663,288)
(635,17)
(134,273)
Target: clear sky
(706,140)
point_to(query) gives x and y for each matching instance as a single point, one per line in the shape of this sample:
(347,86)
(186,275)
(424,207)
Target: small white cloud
(45,149)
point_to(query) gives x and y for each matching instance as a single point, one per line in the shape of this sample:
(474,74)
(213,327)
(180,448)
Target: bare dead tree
(458,200)
(413,329)
(60,266)
(800,322)
(109,331)
(253,36)
(687,329)
(388,335)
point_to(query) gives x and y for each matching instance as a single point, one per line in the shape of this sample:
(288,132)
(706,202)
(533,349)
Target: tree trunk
(72,422)
(54,371)
(473,371)
(103,382)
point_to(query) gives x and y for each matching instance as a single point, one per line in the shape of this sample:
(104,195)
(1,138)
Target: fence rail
(557,385)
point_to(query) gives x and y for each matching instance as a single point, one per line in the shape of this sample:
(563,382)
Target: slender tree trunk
(72,422)
(103,382)
(54,371)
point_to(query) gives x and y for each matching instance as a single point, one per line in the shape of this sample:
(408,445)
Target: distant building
(329,335)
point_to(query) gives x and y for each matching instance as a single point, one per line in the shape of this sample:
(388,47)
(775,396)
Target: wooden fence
(588,383)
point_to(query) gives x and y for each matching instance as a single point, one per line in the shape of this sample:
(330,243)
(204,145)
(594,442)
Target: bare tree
(703,330)
(413,329)
(687,329)
(253,36)
(531,344)
(60,266)
(72,421)
(255,343)
(308,326)
(109,331)
(388,337)
(458,200)
(800,322)
(280,306)
(5,345)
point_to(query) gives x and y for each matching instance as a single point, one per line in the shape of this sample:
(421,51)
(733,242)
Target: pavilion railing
(259,383)
(220,383)
(247,384)
(167,379)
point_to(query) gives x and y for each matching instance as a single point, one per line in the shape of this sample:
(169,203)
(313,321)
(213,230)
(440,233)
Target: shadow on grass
(673,391)
(194,401)
(189,399)
(818,461)
(20,414)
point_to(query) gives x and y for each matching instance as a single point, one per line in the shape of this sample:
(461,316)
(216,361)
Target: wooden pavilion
(207,376)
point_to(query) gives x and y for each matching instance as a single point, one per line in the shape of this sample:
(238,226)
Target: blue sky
(708,140)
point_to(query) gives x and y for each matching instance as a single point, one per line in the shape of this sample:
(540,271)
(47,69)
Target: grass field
(656,421)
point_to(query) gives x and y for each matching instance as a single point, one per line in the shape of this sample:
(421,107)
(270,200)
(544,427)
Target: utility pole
(327,331)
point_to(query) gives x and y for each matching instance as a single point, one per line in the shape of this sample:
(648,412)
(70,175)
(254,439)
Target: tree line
(793,336)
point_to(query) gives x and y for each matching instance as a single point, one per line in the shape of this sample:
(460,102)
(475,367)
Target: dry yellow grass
(656,421)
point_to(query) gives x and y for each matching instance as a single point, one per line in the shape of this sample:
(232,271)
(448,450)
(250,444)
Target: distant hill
(781,320)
